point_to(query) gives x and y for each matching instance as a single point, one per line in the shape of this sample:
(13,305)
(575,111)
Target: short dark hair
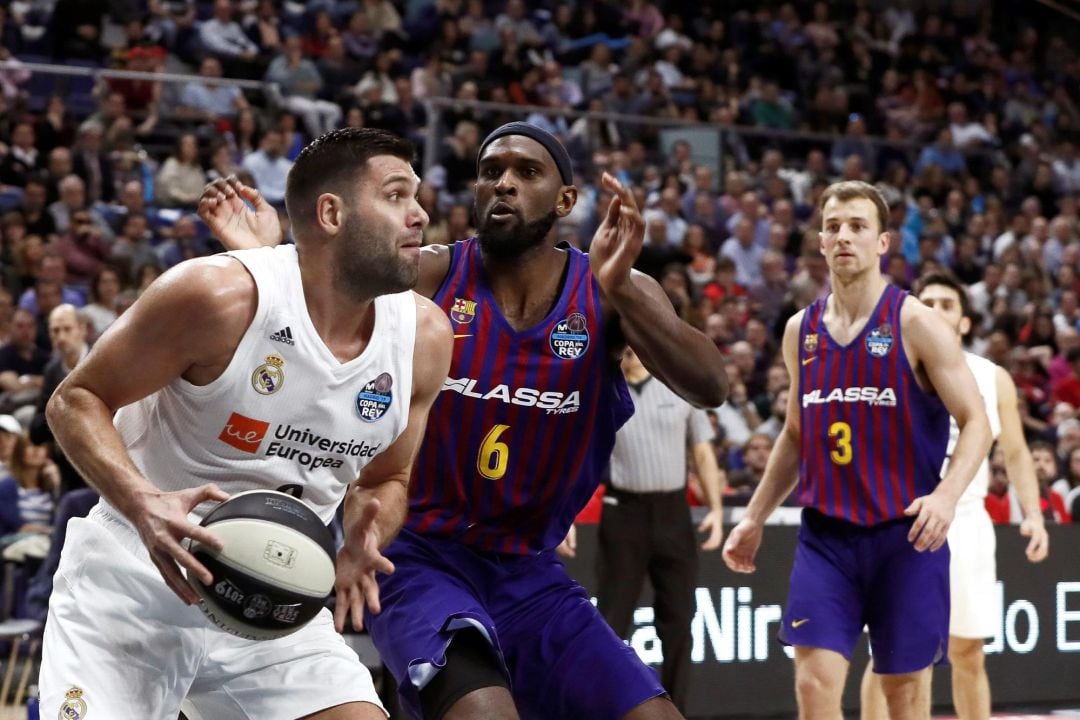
(333,159)
(947,280)
(848,190)
(1072,355)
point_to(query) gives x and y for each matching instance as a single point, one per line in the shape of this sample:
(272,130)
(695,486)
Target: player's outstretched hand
(568,547)
(229,218)
(933,516)
(617,242)
(161,519)
(713,523)
(357,562)
(1038,546)
(742,546)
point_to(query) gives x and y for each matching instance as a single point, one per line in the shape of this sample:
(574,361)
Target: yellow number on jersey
(841,432)
(493,456)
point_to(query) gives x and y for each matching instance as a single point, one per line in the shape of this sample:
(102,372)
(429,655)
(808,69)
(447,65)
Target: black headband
(550,142)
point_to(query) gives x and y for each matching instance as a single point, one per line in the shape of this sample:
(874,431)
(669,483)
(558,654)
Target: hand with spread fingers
(357,562)
(162,521)
(224,208)
(617,242)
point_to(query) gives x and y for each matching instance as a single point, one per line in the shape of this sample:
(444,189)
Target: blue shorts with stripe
(848,576)
(558,654)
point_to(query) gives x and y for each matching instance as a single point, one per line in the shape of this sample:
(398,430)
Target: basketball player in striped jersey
(306,368)
(875,377)
(480,619)
(972,568)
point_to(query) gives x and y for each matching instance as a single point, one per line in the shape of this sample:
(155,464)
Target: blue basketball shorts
(847,576)
(559,656)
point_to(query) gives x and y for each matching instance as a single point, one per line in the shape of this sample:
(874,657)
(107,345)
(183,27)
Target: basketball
(276,568)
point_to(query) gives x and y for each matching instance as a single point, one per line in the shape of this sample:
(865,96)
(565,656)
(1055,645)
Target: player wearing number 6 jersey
(875,377)
(480,619)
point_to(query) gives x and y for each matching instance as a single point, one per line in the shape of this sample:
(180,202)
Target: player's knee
(471,685)
(815,683)
(966,654)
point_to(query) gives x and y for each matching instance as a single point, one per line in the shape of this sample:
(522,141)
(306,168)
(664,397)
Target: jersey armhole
(449,272)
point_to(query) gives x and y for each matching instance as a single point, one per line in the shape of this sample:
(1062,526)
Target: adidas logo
(283,335)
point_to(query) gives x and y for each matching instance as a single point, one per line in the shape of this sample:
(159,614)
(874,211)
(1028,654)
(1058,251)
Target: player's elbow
(713,391)
(58,409)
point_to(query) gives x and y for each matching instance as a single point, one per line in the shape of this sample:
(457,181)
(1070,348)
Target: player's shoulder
(793,326)
(430,319)
(216,281)
(916,319)
(434,267)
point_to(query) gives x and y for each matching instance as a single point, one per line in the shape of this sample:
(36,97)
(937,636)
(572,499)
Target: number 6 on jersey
(493,456)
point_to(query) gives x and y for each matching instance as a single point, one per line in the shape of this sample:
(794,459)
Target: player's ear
(965,326)
(566,200)
(329,213)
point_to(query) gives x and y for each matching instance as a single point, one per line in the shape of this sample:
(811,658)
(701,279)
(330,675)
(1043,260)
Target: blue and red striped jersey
(872,439)
(518,439)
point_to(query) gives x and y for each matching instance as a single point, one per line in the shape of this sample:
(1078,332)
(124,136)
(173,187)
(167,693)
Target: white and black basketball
(276,568)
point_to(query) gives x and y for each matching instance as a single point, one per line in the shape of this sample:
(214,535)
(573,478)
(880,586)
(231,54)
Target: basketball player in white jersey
(972,568)
(306,368)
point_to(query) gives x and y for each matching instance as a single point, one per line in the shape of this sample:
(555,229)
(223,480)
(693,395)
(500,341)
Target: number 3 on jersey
(494,455)
(841,433)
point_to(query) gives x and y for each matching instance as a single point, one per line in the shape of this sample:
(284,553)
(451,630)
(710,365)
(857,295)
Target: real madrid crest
(269,377)
(809,343)
(880,340)
(374,399)
(463,311)
(74,707)
(569,338)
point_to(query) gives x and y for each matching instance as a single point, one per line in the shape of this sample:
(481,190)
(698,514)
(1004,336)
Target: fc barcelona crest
(463,311)
(809,343)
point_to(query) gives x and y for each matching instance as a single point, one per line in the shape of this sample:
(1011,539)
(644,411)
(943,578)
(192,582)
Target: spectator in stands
(84,249)
(55,127)
(223,37)
(180,181)
(10,430)
(755,455)
(184,244)
(22,363)
(100,311)
(269,167)
(1053,507)
(51,267)
(210,99)
(22,158)
(300,84)
(91,164)
(28,493)
(75,29)
(39,221)
(73,199)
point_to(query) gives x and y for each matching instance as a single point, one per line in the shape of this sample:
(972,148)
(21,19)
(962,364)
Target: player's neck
(525,287)
(856,297)
(344,323)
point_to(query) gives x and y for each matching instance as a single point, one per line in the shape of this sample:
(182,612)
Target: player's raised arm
(936,351)
(680,355)
(1020,467)
(781,471)
(375,506)
(144,350)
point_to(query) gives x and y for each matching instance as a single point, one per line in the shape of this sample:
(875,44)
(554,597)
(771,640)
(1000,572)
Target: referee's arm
(712,484)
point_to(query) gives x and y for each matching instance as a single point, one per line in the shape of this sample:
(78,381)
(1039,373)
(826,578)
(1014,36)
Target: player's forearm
(393,502)
(82,425)
(711,477)
(780,478)
(972,447)
(1020,469)
(681,356)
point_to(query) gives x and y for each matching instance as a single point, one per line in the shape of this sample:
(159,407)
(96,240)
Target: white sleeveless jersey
(985,373)
(285,414)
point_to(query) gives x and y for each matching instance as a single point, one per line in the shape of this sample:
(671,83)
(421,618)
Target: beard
(512,240)
(367,263)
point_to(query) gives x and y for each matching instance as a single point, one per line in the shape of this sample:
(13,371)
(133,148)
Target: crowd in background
(964,115)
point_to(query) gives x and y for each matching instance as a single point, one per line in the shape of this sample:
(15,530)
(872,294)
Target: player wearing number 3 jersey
(875,376)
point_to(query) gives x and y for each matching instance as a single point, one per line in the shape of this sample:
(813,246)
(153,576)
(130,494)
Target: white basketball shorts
(119,645)
(973,573)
